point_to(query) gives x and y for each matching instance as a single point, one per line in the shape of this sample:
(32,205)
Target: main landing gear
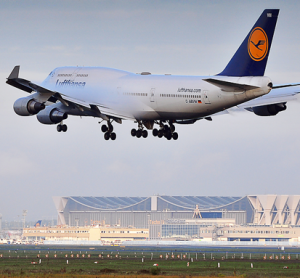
(108,131)
(140,132)
(62,127)
(168,131)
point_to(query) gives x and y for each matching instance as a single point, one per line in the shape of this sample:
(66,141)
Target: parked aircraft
(159,100)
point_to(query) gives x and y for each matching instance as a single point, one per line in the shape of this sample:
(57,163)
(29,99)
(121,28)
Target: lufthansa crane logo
(258,44)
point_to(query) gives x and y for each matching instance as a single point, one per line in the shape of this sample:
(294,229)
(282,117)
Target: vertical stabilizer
(252,56)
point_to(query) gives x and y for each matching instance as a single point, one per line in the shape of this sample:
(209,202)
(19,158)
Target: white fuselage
(151,97)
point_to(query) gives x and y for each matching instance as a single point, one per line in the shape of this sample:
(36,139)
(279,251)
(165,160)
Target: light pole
(24,215)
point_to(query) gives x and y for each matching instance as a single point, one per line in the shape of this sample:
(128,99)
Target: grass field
(58,261)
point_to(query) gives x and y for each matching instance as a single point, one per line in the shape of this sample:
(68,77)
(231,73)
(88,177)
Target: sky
(234,155)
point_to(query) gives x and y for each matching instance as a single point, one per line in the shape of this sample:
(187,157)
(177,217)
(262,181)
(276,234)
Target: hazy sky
(233,155)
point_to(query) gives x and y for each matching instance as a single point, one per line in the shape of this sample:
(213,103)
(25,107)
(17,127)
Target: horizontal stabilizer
(285,85)
(230,86)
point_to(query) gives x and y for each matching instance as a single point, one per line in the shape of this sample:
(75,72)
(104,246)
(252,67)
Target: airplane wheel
(145,133)
(59,128)
(133,132)
(175,135)
(169,136)
(113,136)
(139,133)
(172,128)
(64,128)
(160,134)
(104,128)
(106,136)
(155,132)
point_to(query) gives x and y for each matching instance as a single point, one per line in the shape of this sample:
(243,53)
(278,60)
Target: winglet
(17,82)
(15,73)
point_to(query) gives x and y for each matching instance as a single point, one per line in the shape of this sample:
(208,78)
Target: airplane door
(74,74)
(152,95)
(205,97)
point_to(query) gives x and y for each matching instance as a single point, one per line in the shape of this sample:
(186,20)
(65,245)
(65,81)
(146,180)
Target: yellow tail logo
(258,44)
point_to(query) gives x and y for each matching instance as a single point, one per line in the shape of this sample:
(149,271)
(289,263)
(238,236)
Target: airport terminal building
(168,216)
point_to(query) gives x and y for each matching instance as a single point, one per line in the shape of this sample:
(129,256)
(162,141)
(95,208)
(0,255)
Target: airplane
(38,223)
(159,100)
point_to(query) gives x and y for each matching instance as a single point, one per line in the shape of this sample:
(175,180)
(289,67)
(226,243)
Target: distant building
(264,233)
(154,212)
(192,229)
(88,233)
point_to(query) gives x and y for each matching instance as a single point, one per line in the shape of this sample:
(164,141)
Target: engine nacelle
(269,110)
(51,116)
(27,106)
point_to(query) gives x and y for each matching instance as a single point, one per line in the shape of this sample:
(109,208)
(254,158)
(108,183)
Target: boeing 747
(158,102)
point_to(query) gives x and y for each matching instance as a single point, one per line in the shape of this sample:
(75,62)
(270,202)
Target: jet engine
(50,116)
(27,106)
(269,110)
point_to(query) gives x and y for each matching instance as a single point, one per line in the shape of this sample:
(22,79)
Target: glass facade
(180,230)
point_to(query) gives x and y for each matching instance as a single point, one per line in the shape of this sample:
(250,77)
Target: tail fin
(38,223)
(252,56)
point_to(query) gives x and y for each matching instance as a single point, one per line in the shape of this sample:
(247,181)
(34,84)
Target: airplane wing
(274,97)
(24,84)
(103,111)
(280,95)
(53,96)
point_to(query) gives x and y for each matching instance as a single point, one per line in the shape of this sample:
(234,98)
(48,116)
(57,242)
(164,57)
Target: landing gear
(106,136)
(155,132)
(104,128)
(111,136)
(133,132)
(140,132)
(168,131)
(145,133)
(160,133)
(108,131)
(62,128)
